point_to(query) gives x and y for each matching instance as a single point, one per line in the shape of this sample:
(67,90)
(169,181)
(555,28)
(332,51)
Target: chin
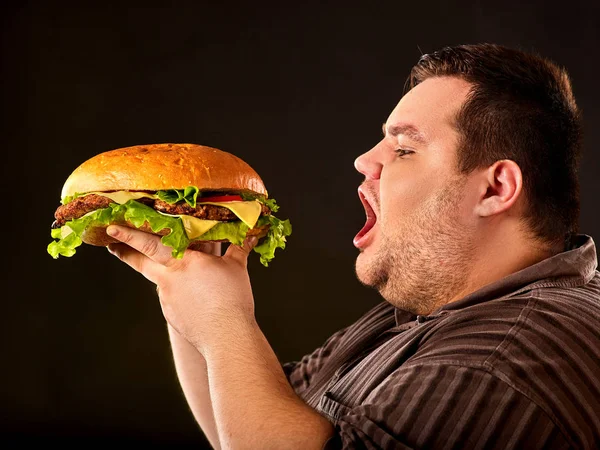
(366,272)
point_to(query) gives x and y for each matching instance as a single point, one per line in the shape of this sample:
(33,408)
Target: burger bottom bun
(96,235)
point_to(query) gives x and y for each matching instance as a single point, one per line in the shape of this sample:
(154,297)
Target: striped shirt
(515,364)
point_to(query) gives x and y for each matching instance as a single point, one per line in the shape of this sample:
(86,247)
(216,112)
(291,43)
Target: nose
(368,165)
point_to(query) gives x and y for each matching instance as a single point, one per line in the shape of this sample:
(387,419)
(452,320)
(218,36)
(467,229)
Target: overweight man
(488,332)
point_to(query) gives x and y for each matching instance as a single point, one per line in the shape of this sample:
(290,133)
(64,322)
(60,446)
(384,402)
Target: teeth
(368,209)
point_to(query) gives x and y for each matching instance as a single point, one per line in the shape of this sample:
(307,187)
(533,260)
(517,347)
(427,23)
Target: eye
(403,152)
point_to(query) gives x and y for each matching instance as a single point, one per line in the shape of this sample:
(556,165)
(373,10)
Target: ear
(501,187)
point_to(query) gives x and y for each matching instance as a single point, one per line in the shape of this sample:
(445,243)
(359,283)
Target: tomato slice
(220,199)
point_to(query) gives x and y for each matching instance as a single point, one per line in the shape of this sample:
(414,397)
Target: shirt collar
(570,268)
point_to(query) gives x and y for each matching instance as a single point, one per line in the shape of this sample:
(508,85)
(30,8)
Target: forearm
(192,374)
(254,405)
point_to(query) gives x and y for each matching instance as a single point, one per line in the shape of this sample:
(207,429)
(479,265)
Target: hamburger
(188,194)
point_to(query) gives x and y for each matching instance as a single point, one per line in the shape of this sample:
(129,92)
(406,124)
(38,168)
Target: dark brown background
(297,92)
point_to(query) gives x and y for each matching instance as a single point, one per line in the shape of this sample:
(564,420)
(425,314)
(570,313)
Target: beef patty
(83,205)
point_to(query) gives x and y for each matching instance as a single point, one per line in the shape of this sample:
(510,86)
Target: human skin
(233,381)
(439,234)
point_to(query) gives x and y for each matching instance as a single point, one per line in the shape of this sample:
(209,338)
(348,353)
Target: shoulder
(543,343)
(546,329)
(542,314)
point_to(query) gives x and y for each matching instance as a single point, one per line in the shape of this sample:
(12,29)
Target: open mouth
(361,238)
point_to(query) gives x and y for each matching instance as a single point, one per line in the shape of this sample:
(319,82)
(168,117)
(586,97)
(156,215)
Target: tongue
(368,225)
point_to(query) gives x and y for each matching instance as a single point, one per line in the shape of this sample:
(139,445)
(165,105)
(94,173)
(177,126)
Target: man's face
(415,247)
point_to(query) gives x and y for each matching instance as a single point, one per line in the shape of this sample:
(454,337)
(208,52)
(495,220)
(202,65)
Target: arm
(207,300)
(254,405)
(192,374)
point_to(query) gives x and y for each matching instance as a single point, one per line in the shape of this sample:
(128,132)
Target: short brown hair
(521,107)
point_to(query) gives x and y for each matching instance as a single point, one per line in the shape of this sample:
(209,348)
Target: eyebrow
(405,129)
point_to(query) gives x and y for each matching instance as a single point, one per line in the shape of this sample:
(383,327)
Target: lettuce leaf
(172,196)
(235,232)
(189,195)
(275,238)
(270,202)
(68,238)
(137,213)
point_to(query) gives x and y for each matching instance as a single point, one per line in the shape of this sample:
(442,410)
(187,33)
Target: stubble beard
(423,263)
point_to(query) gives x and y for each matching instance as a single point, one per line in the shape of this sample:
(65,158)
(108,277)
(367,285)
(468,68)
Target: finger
(212,248)
(240,253)
(145,243)
(136,260)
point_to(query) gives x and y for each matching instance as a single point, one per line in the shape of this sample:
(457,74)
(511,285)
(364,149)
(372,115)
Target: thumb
(240,253)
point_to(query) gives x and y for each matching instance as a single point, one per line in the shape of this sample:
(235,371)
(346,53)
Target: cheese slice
(121,197)
(247,211)
(195,227)
(65,230)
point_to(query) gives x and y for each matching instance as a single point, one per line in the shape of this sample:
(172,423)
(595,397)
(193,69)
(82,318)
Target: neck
(499,255)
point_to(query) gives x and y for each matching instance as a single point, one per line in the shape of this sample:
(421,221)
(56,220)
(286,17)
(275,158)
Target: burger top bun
(163,166)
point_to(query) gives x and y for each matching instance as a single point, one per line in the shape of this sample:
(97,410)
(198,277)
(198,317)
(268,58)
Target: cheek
(402,194)
(466,203)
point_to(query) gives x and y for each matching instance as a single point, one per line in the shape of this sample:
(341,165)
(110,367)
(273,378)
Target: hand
(202,294)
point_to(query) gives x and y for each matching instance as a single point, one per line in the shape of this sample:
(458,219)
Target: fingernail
(111,231)
(113,250)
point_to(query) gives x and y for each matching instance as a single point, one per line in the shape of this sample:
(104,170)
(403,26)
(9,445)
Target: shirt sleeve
(300,373)
(445,406)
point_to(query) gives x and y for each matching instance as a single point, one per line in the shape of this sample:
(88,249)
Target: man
(489,333)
